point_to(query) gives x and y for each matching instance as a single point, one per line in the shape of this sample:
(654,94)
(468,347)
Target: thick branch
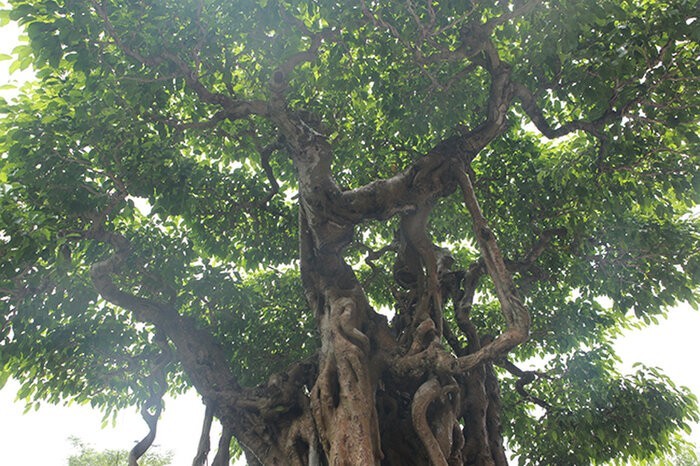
(233,108)
(516,315)
(434,175)
(202,359)
(493,417)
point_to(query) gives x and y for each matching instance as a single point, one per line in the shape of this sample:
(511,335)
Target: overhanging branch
(201,357)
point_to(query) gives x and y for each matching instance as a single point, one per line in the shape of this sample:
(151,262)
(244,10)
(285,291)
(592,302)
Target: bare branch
(537,249)
(516,315)
(265,154)
(529,104)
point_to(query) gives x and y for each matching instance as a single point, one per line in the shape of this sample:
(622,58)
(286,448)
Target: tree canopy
(365,232)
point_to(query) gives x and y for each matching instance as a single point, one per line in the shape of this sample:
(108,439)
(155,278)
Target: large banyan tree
(366,232)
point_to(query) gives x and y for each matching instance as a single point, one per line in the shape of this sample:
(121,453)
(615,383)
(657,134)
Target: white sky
(41,437)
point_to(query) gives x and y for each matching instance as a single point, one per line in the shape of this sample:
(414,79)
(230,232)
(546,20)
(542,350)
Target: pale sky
(41,437)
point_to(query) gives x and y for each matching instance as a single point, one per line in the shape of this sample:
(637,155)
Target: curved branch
(433,175)
(232,108)
(515,313)
(616,110)
(265,154)
(525,378)
(279,80)
(144,444)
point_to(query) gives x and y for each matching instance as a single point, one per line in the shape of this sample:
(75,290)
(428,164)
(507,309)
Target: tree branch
(529,105)
(519,10)
(537,249)
(517,317)
(233,108)
(426,394)
(203,360)
(223,454)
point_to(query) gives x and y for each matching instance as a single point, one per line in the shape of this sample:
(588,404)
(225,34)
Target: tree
(88,456)
(399,233)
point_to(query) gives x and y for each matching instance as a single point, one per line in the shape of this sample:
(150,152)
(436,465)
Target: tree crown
(151,183)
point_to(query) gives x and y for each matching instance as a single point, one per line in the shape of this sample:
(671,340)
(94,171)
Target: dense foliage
(226,195)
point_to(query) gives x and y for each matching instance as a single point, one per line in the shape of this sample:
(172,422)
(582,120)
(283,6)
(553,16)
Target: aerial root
(200,458)
(426,394)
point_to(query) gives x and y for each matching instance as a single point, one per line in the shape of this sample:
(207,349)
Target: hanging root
(200,458)
(426,394)
(223,454)
(158,387)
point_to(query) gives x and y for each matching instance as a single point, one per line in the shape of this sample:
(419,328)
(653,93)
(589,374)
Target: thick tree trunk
(381,396)
(375,395)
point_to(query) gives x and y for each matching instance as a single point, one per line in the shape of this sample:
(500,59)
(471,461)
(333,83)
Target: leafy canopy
(125,130)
